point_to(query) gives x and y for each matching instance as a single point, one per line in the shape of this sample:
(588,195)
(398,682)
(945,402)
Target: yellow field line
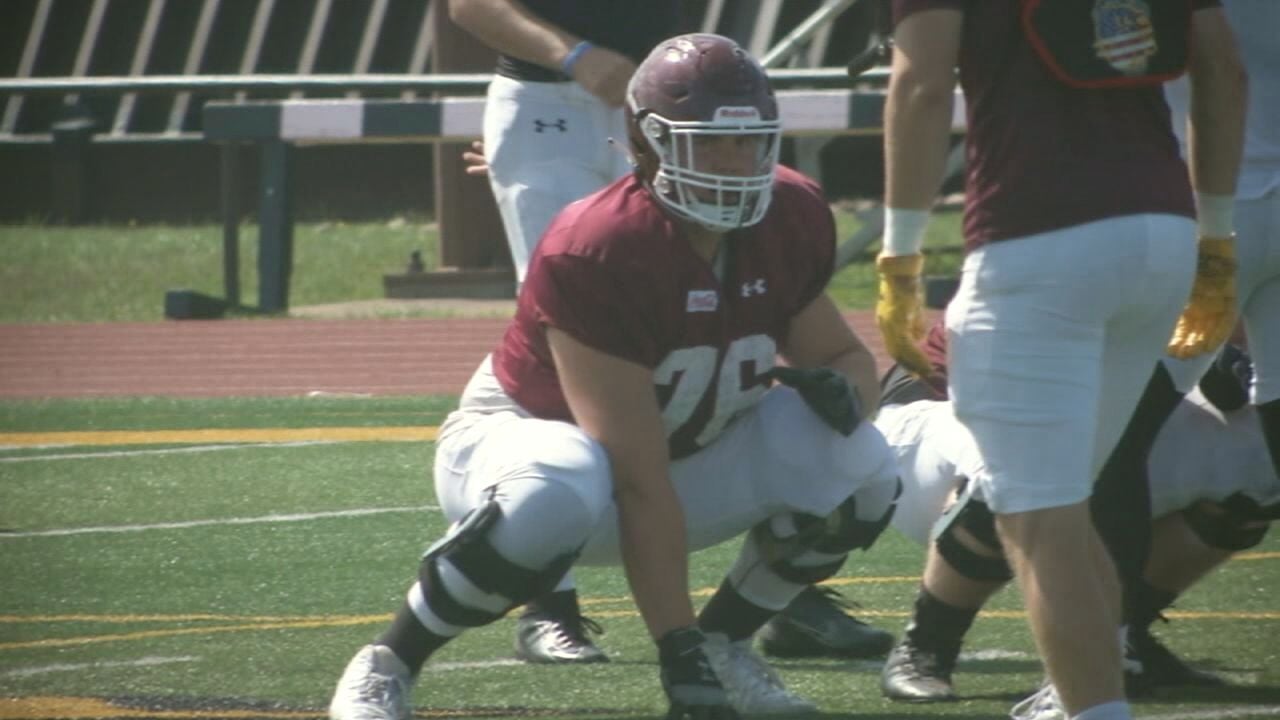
(73,708)
(88,708)
(318,622)
(228,435)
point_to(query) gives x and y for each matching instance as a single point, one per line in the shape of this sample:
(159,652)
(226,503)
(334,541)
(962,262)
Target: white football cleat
(753,687)
(375,686)
(1043,704)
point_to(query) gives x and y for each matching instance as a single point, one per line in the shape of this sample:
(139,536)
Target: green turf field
(158,575)
(121,273)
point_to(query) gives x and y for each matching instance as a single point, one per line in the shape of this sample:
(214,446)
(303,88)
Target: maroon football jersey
(616,272)
(1042,155)
(900,386)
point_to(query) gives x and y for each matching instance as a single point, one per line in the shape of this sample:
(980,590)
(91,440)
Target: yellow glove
(899,312)
(1210,315)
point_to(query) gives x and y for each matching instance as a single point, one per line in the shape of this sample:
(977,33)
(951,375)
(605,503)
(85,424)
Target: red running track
(259,357)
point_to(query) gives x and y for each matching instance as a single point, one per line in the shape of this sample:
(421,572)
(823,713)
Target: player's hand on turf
(826,392)
(900,310)
(694,691)
(1210,315)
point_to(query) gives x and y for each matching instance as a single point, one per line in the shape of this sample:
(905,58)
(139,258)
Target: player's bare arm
(820,337)
(1218,93)
(510,26)
(613,401)
(918,107)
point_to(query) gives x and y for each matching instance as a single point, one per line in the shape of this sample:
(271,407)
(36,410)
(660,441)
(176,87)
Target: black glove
(1226,382)
(691,685)
(827,393)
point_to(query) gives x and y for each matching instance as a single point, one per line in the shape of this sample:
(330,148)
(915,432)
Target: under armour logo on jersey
(702,301)
(753,287)
(560,124)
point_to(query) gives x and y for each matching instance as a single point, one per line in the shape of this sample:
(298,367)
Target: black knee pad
(1242,524)
(467,548)
(976,518)
(837,534)
(843,531)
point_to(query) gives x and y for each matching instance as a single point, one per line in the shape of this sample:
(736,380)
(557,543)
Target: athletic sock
(936,625)
(410,640)
(1149,602)
(561,604)
(729,613)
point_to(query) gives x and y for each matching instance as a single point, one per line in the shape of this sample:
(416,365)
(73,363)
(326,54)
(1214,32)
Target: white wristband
(1214,215)
(904,231)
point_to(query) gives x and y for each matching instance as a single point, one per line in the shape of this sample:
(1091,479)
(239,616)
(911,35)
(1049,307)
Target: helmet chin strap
(621,149)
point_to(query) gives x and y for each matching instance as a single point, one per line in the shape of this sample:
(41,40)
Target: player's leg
(523,503)
(964,567)
(929,442)
(1038,414)
(1121,502)
(1186,546)
(804,496)
(547,145)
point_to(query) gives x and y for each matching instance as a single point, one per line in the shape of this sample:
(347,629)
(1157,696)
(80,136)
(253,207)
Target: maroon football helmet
(691,92)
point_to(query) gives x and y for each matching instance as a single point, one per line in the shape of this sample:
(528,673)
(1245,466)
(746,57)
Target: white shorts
(1258,293)
(547,145)
(776,458)
(933,451)
(1202,453)
(1052,339)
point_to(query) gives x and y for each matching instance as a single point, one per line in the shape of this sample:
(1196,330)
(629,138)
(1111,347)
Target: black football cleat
(912,674)
(1149,665)
(815,624)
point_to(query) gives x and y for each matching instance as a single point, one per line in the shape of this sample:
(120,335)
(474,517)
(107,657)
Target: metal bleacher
(144,68)
(285,73)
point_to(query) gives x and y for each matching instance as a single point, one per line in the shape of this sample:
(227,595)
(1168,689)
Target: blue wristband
(566,66)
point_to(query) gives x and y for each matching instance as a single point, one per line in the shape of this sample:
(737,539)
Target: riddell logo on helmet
(737,113)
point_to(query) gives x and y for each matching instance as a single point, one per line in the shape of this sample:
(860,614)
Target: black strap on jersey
(1109,43)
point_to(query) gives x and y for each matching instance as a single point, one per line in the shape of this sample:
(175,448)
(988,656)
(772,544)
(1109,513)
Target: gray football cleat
(375,686)
(913,674)
(815,624)
(542,638)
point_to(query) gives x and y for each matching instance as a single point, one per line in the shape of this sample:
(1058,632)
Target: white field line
(1225,713)
(471,665)
(159,451)
(75,667)
(292,517)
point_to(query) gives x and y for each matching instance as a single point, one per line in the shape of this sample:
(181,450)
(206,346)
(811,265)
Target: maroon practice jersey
(1042,155)
(616,272)
(900,386)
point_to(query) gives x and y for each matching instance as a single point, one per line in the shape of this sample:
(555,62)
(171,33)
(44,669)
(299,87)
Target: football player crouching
(632,412)
(1213,493)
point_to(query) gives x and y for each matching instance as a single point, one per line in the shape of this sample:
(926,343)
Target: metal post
(229,189)
(275,228)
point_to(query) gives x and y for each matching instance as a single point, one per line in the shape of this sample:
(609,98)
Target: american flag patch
(702,301)
(1124,38)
